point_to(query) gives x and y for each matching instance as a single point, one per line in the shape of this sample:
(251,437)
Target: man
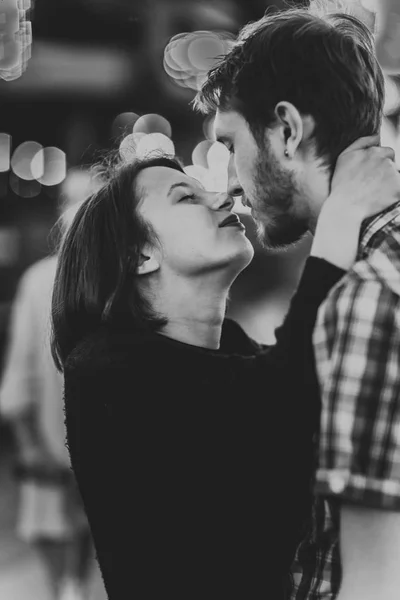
(292,93)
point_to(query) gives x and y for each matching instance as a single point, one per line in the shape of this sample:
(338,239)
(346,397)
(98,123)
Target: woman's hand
(366,181)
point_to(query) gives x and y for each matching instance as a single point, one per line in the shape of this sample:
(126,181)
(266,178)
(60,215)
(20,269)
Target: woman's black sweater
(195,465)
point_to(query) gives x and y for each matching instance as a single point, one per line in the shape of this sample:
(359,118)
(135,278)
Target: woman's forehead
(156,180)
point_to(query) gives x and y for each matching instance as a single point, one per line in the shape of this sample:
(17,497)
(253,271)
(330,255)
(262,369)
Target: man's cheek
(245,176)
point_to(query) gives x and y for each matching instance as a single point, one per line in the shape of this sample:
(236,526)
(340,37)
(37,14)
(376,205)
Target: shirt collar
(376,223)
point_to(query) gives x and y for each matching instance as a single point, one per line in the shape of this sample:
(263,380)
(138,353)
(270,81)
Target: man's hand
(370,547)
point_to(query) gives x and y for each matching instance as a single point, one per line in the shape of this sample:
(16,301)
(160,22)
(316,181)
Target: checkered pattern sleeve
(357,351)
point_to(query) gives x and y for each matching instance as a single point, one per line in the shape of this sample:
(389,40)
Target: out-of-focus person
(50,515)
(388,40)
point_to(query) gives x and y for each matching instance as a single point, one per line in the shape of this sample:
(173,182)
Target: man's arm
(357,350)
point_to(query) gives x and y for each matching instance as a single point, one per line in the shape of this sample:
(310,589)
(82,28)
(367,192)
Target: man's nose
(234,187)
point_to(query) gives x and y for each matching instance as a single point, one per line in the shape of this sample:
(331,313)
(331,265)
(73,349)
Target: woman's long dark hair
(98,256)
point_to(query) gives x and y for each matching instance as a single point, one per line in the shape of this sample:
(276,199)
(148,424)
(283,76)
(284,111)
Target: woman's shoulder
(110,350)
(107,348)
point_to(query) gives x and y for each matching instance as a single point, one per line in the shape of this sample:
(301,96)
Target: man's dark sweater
(194,465)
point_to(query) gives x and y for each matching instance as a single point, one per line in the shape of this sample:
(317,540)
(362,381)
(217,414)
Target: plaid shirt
(357,349)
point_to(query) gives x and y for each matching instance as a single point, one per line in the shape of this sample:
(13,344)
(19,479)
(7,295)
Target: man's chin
(279,239)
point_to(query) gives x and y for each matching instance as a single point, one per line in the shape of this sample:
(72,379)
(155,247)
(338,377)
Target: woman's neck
(195,311)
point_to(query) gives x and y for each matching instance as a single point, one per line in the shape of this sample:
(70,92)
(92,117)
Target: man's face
(187,220)
(270,188)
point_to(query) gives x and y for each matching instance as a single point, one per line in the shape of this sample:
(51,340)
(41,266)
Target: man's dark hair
(96,279)
(324,65)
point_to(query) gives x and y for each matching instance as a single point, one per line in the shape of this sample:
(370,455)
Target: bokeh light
(390,137)
(371,5)
(189,56)
(239,208)
(210,167)
(199,154)
(10,52)
(176,62)
(204,49)
(197,172)
(123,124)
(208,128)
(154,142)
(153,123)
(392,96)
(78,185)
(217,180)
(49,166)
(15,39)
(4,186)
(5,152)
(22,157)
(218,157)
(213,181)
(128,146)
(9,23)
(24,188)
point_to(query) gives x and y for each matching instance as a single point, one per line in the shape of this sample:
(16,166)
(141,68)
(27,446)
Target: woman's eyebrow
(186,185)
(178,184)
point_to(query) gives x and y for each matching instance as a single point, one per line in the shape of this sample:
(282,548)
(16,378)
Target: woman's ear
(147,264)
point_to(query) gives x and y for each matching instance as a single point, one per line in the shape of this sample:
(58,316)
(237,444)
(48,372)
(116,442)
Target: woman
(192,444)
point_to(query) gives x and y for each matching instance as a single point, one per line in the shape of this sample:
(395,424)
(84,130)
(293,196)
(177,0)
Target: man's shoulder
(380,262)
(379,255)
(374,273)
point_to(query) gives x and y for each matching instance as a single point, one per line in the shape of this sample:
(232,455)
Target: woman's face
(188,221)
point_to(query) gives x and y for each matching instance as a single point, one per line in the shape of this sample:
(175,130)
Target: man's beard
(278,226)
(282,235)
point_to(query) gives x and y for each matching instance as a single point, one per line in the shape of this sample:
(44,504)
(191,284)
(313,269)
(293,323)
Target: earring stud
(286,153)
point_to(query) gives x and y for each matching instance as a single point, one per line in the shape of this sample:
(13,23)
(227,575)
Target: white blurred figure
(50,514)
(388,42)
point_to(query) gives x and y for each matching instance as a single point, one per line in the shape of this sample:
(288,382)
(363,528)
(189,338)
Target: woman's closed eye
(187,197)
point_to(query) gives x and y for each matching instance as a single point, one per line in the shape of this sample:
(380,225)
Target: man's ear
(148,263)
(296,128)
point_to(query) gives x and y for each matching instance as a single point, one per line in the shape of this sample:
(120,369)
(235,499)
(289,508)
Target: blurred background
(101,75)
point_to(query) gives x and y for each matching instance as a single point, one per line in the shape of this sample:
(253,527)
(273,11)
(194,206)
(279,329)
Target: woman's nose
(224,201)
